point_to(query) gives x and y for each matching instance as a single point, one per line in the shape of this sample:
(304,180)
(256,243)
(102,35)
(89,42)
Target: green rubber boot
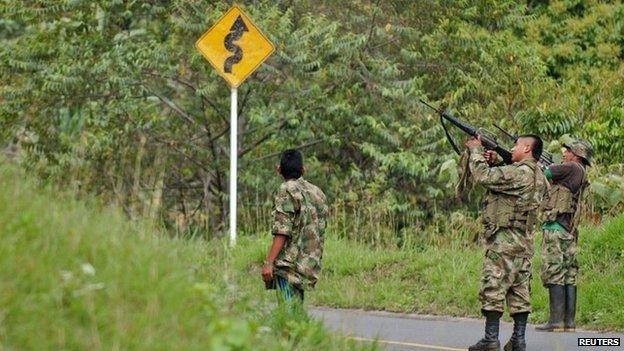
(557,307)
(570,308)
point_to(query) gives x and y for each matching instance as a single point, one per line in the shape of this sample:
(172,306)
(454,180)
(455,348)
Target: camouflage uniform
(514,193)
(559,265)
(300,213)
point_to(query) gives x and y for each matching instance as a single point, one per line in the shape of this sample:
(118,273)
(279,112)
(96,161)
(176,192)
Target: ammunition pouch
(559,200)
(502,211)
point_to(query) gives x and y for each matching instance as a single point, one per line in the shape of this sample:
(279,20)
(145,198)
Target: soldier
(514,193)
(559,266)
(294,261)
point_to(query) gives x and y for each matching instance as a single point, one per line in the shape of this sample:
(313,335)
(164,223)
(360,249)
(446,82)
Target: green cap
(580,147)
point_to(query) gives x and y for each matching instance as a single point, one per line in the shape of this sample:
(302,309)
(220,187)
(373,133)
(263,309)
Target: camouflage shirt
(515,188)
(300,212)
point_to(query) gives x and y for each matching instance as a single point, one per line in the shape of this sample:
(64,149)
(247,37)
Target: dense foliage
(111,97)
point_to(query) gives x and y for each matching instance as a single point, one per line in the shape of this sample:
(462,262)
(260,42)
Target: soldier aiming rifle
(515,191)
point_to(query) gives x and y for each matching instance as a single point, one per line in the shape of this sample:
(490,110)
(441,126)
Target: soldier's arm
(499,179)
(556,173)
(276,247)
(283,213)
(283,218)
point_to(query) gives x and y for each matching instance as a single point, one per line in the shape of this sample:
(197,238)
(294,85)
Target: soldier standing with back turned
(300,210)
(559,266)
(514,193)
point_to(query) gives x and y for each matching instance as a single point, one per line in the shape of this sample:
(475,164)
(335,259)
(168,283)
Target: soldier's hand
(490,156)
(267,272)
(473,142)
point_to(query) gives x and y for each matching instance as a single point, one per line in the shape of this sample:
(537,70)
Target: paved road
(397,331)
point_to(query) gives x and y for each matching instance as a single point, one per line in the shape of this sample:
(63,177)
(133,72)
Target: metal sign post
(235,47)
(233,163)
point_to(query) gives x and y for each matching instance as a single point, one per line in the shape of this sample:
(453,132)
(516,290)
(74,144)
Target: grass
(78,276)
(444,280)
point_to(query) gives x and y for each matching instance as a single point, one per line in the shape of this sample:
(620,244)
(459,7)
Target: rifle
(487,139)
(546,157)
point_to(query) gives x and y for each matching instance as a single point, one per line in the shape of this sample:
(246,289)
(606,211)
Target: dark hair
(291,164)
(537,146)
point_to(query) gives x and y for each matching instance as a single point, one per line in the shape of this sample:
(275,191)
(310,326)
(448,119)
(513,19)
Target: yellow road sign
(234,46)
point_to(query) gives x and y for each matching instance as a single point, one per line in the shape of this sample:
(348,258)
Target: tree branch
(312,143)
(372,27)
(244,102)
(172,145)
(261,140)
(184,82)
(171,105)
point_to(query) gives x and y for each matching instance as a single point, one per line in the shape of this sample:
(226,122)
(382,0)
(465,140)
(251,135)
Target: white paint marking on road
(410,344)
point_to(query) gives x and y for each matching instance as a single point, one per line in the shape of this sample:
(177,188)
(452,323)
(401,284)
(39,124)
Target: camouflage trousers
(505,278)
(559,265)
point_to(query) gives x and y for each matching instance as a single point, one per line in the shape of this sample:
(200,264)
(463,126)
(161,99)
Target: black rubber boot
(517,341)
(557,307)
(570,308)
(490,341)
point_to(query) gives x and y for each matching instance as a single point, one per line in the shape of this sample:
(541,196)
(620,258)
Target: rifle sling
(448,136)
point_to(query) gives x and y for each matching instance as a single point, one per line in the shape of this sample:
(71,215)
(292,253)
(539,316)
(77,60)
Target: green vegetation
(78,276)
(111,97)
(444,280)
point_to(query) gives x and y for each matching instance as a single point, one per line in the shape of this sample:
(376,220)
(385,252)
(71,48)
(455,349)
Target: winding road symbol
(236,32)
(234,46)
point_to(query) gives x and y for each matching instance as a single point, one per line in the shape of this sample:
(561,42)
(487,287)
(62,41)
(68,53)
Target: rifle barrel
(467,128)
(511,136)
(488,142)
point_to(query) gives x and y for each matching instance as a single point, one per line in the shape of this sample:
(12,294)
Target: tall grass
(375,225)
(443,278)
(78,276)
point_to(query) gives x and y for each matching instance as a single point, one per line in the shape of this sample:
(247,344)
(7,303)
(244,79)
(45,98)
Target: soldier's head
(528,145)
(291,164)
(576,150)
